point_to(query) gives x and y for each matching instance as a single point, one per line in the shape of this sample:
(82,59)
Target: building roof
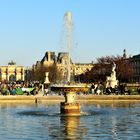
(136,57)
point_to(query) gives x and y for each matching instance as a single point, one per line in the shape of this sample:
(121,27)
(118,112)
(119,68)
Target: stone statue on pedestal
(111,80)
(46,83)
(46,78)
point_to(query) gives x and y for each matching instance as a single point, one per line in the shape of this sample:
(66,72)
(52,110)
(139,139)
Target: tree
(54,74)
(38,74)
(124,69)
(103,67)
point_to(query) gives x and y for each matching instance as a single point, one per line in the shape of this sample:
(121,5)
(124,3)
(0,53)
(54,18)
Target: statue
(46,78)
(113,67)
(113,73)
(46,83)
(111,80)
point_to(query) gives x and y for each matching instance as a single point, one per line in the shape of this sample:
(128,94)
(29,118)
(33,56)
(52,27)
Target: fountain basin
(69,88)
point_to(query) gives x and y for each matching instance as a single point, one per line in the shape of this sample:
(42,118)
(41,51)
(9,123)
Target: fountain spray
(69,25)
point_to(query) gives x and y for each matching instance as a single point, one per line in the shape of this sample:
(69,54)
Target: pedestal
(70,107)
(111,83)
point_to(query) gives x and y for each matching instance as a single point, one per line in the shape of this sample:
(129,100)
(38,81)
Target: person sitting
(109,90)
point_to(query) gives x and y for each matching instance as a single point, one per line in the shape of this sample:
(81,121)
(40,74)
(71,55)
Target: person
(122,89)
(4,89)
(138,89)
(99,89)
(108,90)
(92,88)
(116,91)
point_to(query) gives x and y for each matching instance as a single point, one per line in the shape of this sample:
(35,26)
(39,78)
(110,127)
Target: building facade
(135,60)
(61,62)
(12,72)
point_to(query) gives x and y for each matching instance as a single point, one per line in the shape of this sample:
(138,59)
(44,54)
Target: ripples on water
(43,122)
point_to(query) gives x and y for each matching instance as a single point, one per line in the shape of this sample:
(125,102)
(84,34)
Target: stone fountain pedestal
(70,107)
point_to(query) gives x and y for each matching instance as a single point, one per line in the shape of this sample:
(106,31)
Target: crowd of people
(20,88)
(121,89)
(34,88)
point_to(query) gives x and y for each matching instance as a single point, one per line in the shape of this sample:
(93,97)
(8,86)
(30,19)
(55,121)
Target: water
(117,121)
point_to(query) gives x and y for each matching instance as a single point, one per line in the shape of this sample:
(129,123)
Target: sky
(29,28)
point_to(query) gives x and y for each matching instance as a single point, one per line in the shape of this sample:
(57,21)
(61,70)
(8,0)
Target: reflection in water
(99,121)
(72,127)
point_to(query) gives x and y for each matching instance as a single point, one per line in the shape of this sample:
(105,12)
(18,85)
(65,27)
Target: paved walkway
(57,98)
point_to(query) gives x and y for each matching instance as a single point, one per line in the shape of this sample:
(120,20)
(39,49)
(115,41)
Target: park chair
(19,91)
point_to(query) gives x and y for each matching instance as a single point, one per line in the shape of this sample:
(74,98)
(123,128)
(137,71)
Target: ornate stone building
(12,72)
(48,59)
(62,63)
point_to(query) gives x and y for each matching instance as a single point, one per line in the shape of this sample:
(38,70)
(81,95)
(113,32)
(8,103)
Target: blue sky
(29,28)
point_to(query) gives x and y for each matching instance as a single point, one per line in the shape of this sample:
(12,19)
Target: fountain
(70,107)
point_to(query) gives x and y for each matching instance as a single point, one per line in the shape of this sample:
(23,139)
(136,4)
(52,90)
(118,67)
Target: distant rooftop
(12,63)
